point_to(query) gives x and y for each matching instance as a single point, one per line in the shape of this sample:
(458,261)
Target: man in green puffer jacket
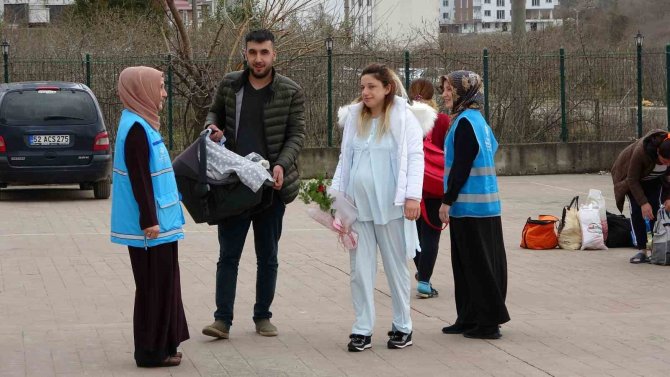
(257,110)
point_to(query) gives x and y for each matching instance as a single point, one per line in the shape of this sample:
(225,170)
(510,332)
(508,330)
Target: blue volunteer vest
(125,211)
(479,195)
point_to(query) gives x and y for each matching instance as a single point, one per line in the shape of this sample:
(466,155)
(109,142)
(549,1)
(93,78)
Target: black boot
(484,332)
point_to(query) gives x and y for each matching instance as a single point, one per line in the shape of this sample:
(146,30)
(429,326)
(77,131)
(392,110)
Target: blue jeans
(232,234)
(653,190)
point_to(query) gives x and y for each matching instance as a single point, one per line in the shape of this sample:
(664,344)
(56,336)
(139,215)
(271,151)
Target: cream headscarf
(140,91)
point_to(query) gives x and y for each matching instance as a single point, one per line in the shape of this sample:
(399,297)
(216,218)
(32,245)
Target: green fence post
(88,70)
(485,57)
(406,69)
(169,101)
(564,121)
(329,50)
(667,82)
(5,59)
(639,89)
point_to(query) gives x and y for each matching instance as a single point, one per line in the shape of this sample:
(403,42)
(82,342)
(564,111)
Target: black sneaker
(359,343)
(398,339)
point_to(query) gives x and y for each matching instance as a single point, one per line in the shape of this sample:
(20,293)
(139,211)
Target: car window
(48,106)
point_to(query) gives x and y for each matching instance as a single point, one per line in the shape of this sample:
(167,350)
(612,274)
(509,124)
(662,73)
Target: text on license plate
(49,139)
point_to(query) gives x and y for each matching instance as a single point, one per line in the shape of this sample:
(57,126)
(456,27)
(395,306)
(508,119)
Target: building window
(16,13)
(487,13)
(501,15)
(445,3)
(486,25)
(549,1)
(500,3)
(445,15)
(487,1)
(536,3)
(504,26)
(370,3)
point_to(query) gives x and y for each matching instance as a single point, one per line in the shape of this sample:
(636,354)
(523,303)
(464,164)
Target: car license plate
(49,139)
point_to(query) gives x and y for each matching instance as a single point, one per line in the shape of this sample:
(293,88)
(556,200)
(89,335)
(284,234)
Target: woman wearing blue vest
(471,207)
(147,217)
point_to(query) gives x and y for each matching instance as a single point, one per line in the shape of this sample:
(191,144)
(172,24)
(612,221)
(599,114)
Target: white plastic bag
(592,231)
(596,197)
(569,230)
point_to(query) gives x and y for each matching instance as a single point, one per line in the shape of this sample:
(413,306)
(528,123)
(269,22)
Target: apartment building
(205,8)
(39,12)
(32,12)
(481,16)
(398,20)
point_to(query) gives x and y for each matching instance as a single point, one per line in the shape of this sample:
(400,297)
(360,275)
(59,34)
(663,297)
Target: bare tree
(519,21)
(198,74)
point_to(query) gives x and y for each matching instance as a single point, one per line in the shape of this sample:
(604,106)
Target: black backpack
(619,231)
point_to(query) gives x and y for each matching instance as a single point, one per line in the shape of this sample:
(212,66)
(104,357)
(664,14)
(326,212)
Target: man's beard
(263,74)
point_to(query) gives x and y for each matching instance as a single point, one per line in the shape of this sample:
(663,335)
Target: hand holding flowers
(335,212)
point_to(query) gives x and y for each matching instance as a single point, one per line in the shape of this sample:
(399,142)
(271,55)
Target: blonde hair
(388,78)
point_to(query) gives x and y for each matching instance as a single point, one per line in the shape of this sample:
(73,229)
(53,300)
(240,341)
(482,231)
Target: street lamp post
(639,38)
(5,59)
(329,51)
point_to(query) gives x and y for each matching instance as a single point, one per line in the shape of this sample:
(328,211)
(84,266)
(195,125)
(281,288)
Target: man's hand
(412,209)
(151,232)
(278,177)
(667,205)
(216,134)
(647,212)
(444,214)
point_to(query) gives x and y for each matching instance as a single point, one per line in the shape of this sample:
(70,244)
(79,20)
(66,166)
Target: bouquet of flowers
(336,213)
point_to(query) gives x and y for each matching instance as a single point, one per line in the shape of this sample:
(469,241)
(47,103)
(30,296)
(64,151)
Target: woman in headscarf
(471,206)
(147,217)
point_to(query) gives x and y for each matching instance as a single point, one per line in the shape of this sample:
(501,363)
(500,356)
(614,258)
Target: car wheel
(102,189)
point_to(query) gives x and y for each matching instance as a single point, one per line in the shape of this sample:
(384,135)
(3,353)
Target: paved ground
(66,298)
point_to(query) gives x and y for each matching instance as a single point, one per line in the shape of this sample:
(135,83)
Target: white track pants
(391,241)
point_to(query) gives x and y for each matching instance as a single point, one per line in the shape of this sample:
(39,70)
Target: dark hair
(421,89)
(664,148)
(259,36)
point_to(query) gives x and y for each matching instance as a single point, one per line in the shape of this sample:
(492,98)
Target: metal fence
(530,98)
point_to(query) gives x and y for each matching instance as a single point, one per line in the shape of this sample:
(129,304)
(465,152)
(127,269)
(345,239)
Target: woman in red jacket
(429,225)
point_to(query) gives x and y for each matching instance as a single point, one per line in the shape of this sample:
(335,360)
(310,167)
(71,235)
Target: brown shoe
(171,362)
(218,329)
(265,327)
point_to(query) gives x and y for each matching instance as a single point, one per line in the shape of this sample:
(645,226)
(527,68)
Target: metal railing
(529,98)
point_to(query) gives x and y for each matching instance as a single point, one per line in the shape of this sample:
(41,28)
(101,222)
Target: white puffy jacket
(409,124)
